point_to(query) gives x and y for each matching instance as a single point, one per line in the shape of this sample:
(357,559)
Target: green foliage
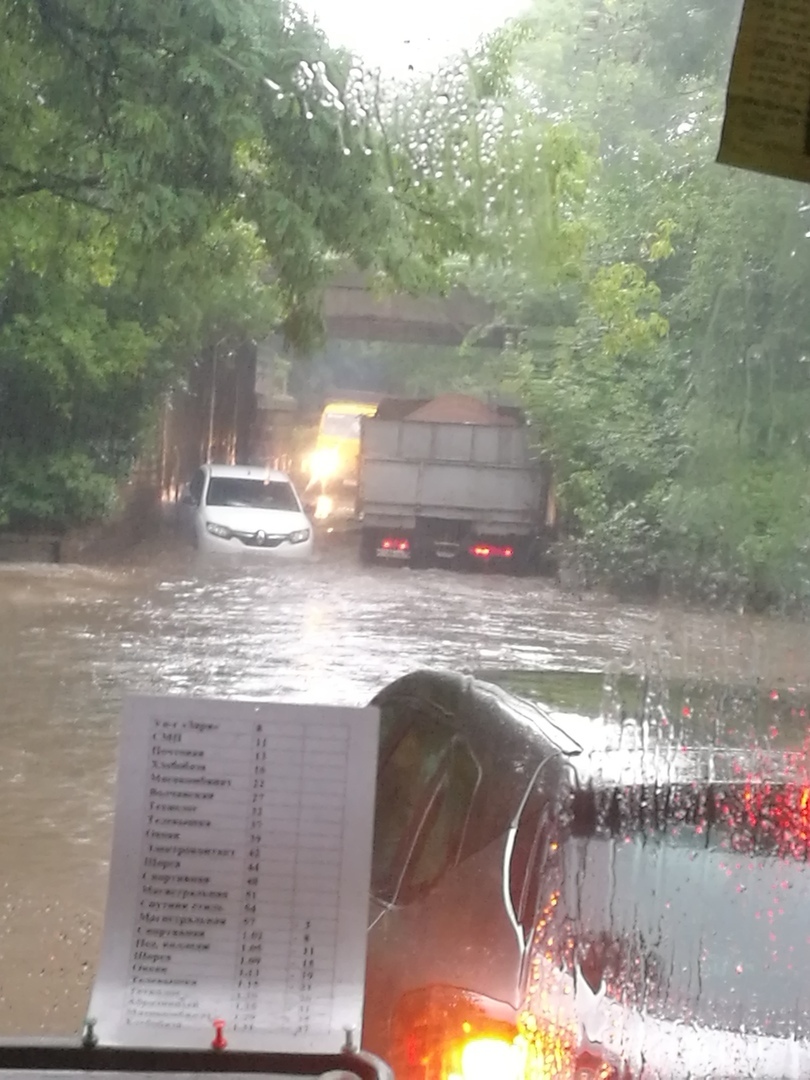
(478,159)
(665,341)
(61,489)
(674,403)
(156,159)
(607,402)
(745,521)
(155,162)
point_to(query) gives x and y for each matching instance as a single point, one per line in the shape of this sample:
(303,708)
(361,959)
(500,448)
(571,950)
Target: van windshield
(694,924)
(341,425)
(256,494)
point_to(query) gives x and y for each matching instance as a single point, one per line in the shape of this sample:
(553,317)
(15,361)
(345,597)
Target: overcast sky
(421,33)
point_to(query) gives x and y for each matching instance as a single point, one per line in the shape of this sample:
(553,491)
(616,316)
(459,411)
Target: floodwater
(75,640)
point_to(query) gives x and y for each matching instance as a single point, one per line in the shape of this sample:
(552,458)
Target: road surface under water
(75,640)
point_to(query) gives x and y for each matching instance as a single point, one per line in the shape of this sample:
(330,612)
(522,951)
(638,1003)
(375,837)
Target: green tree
(680,454)
(154,161)
(586,349)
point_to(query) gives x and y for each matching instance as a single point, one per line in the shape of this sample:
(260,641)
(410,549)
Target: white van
(241,509)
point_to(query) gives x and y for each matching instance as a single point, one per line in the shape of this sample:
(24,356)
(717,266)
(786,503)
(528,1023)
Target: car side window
(195,488)
(410,757)
(438,840)
(426,780)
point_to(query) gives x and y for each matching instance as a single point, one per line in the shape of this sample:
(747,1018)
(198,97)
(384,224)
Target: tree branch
(35,187)
(48,179)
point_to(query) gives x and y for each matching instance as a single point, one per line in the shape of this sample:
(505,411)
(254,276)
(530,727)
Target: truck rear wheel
(368,547)
(421,553)
(525,558)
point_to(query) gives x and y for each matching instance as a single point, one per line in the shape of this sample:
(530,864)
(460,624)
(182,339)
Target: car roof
(506,730)
(247,472)
(486,715)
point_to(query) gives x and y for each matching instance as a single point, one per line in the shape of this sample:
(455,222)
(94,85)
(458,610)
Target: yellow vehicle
(334,460)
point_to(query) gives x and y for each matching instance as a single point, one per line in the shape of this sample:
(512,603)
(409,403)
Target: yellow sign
(767,123)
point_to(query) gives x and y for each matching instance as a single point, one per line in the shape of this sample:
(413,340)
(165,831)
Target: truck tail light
(395,543)
(491,551)
(442,1033)
(485,1058)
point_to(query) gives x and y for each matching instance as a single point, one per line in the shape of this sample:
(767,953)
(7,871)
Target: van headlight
(299,537)
(324,463)
(218,530)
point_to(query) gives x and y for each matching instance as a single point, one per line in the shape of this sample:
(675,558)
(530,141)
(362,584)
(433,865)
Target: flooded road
(74,641)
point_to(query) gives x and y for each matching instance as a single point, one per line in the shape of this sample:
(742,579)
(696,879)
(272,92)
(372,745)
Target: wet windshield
(341,425)
(686,927)
(218,221)
(253,494)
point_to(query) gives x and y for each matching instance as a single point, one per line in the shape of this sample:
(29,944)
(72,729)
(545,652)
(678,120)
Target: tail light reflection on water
(778,810)
(324,506)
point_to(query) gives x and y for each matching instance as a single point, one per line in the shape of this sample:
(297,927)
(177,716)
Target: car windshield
(254,494)
(341,425)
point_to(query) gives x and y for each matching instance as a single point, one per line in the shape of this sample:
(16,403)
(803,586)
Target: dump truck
(453,481)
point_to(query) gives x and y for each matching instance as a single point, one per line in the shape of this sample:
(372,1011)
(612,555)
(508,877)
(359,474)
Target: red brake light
(395,543)
(491,551)
(779,814)
(432,1027)
(443,1033)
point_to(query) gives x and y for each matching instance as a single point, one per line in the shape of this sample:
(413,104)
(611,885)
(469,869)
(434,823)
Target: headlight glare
(324,463)
(324,507)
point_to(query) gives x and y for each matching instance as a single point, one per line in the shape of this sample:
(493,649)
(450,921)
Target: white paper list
(239,877)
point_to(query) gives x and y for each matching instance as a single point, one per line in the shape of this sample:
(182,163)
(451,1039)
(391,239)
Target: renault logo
(260,537)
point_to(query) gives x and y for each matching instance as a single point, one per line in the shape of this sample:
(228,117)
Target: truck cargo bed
(458,471)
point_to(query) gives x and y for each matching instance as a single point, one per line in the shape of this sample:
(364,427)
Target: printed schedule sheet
(239,877)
